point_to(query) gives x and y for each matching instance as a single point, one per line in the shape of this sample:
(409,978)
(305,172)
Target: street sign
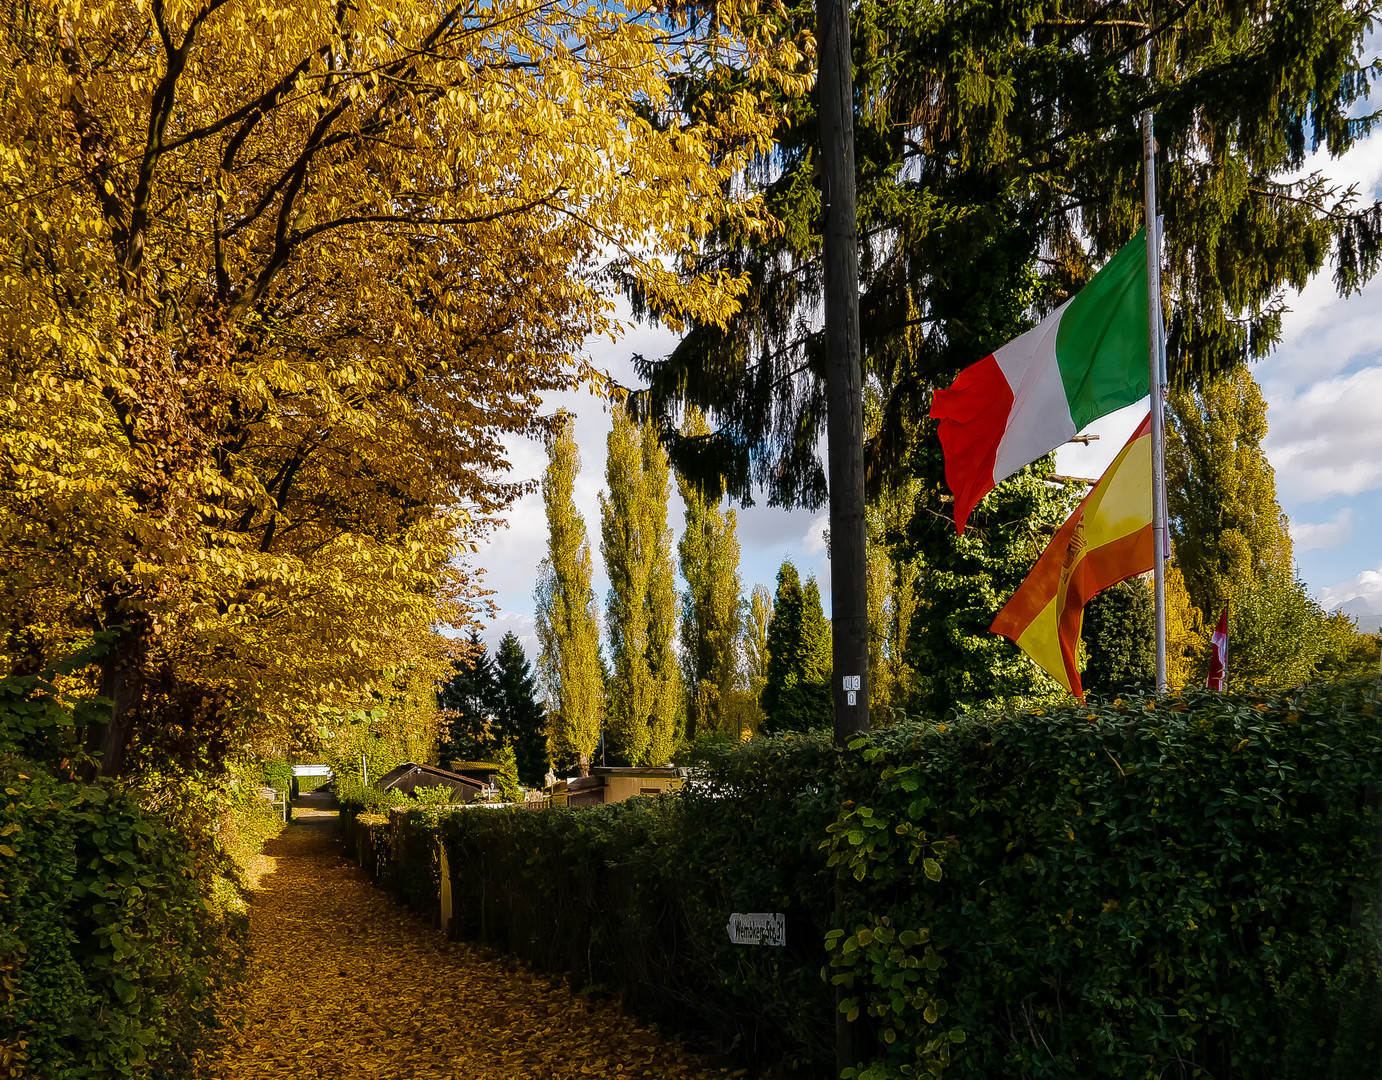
(758,928)
(311,770)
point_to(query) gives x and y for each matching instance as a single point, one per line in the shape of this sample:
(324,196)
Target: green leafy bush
(635,896)
(112,942)
(109,955)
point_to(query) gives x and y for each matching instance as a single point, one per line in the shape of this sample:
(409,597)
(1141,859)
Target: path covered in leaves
(345,983)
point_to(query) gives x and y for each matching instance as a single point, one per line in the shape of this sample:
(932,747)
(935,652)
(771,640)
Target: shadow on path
(344,983)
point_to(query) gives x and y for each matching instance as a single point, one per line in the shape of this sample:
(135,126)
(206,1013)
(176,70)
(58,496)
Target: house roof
(398,773)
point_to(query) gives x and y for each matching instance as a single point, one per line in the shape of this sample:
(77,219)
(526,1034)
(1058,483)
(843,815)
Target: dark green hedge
(1129,890)
(1137,889)
(636,896)
(108,956)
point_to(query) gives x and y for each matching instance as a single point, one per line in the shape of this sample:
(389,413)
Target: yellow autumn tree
(276,281)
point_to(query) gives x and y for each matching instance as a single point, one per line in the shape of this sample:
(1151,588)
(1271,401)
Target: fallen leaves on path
(345,983)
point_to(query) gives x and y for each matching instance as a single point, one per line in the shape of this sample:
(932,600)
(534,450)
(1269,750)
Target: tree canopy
(999,162)
(278,280)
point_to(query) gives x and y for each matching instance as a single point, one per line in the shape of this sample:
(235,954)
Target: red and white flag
(1218,657)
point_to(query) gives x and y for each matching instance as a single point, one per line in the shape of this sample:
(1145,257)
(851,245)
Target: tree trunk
(122,681)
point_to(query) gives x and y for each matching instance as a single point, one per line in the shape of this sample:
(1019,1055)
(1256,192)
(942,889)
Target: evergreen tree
(569,665)
(796,695)
(644,686)
(999,163)
(510,790)
(1119,635)
(469,705)
(711,607)
(523,721)
(962,582)
(1226,524)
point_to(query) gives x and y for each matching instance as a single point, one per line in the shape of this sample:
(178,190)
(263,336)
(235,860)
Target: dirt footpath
(345,983)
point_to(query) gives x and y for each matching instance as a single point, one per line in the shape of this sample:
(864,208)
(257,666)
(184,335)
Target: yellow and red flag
(1106,540)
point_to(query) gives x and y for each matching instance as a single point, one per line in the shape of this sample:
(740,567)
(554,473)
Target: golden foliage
(344,984)
(568,628)
(275,281)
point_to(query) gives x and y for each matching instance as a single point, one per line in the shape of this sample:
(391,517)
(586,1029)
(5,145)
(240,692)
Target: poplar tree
(1226,524)
(712,606)
(644,686)
(569,667)
(760,610)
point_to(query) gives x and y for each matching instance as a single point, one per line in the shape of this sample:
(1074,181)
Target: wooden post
(844,377)
(849,622)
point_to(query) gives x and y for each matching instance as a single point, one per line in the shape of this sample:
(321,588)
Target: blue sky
(1323,386)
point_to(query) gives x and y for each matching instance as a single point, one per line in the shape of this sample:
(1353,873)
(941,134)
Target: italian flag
(1106,540)
(1088,358)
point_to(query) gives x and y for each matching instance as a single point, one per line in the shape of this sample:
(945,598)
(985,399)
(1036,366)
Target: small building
(410,775)
(611,785)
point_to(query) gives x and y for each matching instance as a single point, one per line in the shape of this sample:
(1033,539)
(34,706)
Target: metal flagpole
(1157,362)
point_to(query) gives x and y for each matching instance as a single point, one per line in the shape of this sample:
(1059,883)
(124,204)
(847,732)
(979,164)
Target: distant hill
(1360,608)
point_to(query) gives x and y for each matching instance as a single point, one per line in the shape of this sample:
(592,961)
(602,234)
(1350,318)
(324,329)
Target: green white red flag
(1086,359)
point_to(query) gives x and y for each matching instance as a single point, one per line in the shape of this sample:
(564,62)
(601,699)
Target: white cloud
(813,540)
(1327,534)
(1362,595)
(523,627)
(1327,439)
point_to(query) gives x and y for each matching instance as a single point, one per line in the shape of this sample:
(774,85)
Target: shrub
(106,946)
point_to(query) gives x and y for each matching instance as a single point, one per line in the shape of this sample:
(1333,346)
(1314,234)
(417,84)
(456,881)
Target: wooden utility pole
(849,621)
(844,377)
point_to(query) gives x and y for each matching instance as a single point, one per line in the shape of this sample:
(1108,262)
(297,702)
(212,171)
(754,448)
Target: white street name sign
(758,928)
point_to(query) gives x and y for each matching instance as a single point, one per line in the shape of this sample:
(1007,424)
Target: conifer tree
(469,702)
(796,695)
(569,665)
(510,789)
(711,607)
(521,717)
(1119,636)
(999,162)
(1226,524)
(644,686)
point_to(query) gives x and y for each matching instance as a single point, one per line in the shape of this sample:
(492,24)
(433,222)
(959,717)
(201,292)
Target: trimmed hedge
(1137,889)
